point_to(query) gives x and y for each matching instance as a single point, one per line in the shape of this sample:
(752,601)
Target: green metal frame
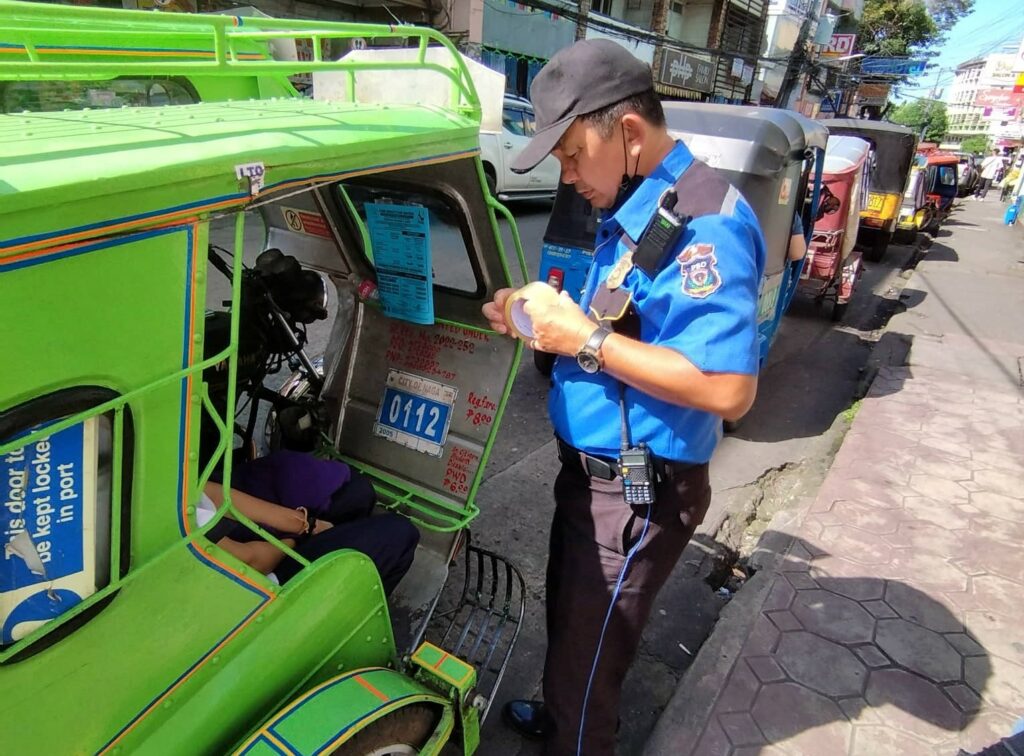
(230,41)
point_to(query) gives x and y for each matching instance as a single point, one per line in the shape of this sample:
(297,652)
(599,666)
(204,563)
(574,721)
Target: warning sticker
(305,222)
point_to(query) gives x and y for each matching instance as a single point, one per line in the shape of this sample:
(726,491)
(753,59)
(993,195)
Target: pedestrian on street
(662,347)
(989,170)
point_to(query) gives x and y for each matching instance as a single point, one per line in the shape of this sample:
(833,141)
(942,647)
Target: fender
(335,711)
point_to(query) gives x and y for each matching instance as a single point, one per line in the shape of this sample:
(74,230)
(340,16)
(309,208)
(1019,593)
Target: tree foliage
(899,28)
(978,144)
(927,114)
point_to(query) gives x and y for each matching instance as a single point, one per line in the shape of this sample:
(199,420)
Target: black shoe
(528,718)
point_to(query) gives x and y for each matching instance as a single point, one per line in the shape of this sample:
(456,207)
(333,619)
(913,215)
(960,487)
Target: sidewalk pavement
(887,617)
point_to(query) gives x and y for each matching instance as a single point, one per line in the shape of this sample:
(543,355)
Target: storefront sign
(681,70)
(840,44)
(998,98)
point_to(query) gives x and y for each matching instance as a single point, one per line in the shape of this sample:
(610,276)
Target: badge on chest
(611,301)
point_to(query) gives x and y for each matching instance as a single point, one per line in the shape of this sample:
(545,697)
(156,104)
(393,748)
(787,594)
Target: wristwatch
(589,356)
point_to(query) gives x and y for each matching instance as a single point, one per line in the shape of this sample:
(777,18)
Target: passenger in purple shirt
(316,506)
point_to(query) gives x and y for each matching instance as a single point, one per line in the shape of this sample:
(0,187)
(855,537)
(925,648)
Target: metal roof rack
(227,41)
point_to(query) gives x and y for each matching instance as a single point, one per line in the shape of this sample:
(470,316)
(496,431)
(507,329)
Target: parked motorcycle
(279,299)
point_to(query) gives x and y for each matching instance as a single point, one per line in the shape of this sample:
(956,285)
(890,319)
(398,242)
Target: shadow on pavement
(836,638)
(939,252)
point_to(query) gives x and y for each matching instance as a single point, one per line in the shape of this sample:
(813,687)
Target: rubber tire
(879,243)
(839,311)
(902,236)
(731,426)
(410,726)
(492,182)
(544,362)
(933,228)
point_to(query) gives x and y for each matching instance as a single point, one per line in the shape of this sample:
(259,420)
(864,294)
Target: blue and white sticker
(415,412)
(48,524)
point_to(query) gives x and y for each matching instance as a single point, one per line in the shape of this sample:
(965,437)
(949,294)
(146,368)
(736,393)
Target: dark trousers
(592,531)
(983,187)
(388,539)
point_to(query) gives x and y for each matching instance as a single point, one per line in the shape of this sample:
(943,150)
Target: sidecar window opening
(58,523)
(450,236)
(70,94)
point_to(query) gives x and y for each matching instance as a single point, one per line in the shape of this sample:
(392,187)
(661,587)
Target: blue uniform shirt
(702,303)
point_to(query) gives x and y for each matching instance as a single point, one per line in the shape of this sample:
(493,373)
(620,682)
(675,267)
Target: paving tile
(928,572)
(857,710)
(939,489)
(866,517)
(918,649)
(821,665)
(759,751)
(856,545)
(950,447)
(739,692)
(997,593)
(801,581)
(951,468)
(763,638)
(780,596)
(963,696)
(870,740)
(837,566)
(872,656)
(984,729)
(997,557)
(741,729)
(833,617)
(1000,482)
(857,588)
(925,535)
(912,604)
(1000,460)
(998,504)
(912,704)
(878,609)
(1000,683)
(998,528)
(765,668)
(939,513)
(713,741)
(964,643)
(800,720)
(784,620)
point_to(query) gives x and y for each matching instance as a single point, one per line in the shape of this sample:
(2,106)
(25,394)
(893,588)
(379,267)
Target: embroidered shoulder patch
(699,270)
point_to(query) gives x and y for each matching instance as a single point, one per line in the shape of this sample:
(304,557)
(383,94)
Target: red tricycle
(832,264)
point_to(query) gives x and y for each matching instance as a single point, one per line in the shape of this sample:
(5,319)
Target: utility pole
(930,105)
(796,62)
(581,20)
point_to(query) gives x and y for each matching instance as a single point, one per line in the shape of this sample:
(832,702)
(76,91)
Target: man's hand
(560,326)
(495,311)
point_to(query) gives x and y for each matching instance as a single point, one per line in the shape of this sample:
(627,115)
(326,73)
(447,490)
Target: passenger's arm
(259,555)
(265,513)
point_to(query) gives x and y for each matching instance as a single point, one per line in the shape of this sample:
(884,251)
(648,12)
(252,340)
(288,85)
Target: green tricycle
(161,258)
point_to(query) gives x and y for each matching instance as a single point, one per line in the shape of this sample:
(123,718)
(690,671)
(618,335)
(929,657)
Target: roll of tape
(515,314)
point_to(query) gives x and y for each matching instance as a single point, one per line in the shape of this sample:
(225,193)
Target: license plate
(415,412)
(876,201)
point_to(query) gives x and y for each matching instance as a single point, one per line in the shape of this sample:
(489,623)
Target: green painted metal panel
(109,160)
(341,705)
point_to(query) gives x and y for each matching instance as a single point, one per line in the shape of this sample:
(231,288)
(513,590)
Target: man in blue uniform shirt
(662,347)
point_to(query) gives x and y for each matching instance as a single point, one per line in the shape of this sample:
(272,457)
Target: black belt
(606,468)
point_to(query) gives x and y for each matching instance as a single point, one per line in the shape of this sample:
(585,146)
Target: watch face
(588,362)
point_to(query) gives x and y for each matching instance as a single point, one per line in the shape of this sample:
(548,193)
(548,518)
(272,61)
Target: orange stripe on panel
(366,684)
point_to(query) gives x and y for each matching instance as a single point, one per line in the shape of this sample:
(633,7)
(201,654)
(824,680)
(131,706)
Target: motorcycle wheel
(879,243)
(839,311)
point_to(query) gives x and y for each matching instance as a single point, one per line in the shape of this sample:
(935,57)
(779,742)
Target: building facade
(983,102)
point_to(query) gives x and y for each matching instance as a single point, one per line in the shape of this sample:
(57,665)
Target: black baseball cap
(590,75)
